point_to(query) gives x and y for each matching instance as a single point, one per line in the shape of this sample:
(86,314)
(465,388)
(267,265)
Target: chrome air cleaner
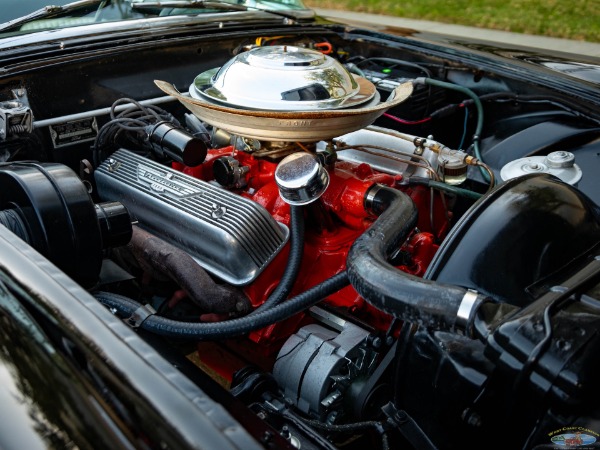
(281,78)
(284,93)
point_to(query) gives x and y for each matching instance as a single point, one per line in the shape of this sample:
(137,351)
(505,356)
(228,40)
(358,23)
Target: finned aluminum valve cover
(230,236)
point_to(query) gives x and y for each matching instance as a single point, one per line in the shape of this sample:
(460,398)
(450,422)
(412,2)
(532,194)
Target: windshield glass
(19,16)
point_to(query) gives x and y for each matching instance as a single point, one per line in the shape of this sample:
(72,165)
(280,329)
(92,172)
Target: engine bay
(402,252)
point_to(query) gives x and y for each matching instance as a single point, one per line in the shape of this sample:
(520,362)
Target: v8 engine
(355,254)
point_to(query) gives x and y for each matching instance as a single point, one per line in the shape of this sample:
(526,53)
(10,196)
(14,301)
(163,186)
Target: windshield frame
(101,12)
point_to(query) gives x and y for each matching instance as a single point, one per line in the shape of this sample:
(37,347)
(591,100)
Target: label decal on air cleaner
(74,132)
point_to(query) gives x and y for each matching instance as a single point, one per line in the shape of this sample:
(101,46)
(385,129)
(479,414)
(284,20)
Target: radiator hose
(404,296)
(126,307)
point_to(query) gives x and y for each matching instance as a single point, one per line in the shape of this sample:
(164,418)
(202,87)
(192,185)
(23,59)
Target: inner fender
(526,230)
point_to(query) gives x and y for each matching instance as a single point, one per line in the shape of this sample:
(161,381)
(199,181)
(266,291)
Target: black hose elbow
(409,298)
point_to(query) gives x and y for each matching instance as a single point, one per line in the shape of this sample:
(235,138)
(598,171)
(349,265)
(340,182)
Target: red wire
(324,47)
(407,122)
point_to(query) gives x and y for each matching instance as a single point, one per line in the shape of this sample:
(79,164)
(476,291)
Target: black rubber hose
(125,307)
(351,428)
(409,298)
(12,220)
(286,283)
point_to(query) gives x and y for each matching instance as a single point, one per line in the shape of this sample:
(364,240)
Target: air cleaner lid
(282,78)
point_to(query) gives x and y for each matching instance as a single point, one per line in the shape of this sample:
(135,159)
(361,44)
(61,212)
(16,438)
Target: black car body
(416,295)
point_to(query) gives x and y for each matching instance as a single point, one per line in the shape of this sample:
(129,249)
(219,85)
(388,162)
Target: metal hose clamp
(139,316)
(467,305)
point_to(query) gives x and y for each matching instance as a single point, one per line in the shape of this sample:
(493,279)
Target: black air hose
(286,283)
(12,220)
(409,298)
(230,328)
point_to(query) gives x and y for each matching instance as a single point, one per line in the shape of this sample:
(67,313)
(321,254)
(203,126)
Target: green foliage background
(570,19)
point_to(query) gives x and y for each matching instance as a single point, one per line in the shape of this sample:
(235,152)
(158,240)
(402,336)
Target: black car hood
(582,67)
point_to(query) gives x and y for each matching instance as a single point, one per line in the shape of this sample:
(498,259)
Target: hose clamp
(139,316)
(370,196)
(466,308)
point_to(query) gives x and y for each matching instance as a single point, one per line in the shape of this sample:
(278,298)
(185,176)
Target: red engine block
(332,224)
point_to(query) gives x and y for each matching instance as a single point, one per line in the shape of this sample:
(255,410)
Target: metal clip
(140,315)
(469,303)
(419,146)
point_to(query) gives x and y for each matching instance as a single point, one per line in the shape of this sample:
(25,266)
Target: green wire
(455,190)
(468,92)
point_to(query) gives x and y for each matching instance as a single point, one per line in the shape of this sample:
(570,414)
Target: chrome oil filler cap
(301,178)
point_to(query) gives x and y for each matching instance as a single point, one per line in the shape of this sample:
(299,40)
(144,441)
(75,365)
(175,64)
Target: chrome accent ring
(370,196)
(139,316)
(467,304)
